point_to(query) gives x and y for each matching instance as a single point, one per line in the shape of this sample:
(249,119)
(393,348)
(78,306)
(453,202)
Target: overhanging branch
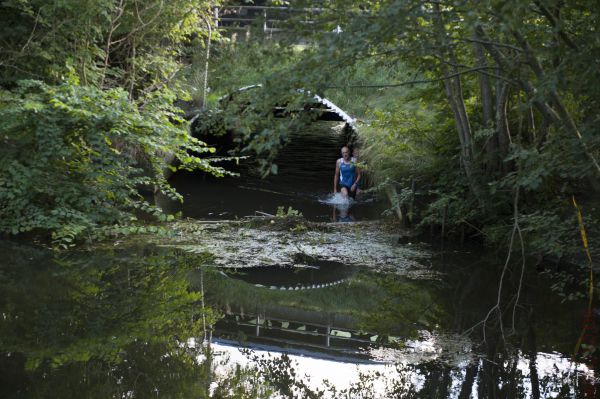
(420,81)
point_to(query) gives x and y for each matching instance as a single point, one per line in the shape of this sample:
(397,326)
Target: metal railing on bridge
(303,334)
(270,19)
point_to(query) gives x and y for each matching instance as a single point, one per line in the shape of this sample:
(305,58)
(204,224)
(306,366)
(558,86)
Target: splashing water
(337,199)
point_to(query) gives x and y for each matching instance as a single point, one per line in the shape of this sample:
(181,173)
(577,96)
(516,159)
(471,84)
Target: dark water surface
(118,323)
(125,322)
(304,181)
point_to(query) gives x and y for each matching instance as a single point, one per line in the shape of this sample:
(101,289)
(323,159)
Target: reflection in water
(557,377)
(315,274)
(113,324)
(341,206)
(342,214)
(412,324)
(121,323)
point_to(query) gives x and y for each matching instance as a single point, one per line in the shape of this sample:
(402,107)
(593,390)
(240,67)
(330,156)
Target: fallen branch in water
(516,229)
(264,214)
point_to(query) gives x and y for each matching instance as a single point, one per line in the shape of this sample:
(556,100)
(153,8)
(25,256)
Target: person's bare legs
(344,192)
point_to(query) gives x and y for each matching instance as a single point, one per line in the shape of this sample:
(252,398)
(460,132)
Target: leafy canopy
(74,158)
(87,94)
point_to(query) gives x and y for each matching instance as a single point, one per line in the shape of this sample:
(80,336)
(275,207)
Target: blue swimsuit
(347,174)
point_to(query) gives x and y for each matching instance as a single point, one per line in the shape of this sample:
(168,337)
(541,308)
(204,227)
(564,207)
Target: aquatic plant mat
(297,242)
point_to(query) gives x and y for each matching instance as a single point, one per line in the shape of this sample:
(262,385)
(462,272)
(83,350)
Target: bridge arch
(328,111)
(214,126)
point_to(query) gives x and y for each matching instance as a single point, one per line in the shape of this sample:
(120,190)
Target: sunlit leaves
(98,309)
(76,157)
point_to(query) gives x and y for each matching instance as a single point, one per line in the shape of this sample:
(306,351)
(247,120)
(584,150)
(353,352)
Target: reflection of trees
(509,361)
(404,306)
(355,297)
(466,387)
(505,362)
(437,382)
(109,324)
(78,307)
(143,370)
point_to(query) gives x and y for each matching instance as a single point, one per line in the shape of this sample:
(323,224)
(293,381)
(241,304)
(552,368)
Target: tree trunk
(392,195)
(547,112)
(502,128)
(563,113)
(491,144)
(454,94)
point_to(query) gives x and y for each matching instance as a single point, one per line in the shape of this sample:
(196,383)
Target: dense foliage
(486,109)
(87,93)
(75,157)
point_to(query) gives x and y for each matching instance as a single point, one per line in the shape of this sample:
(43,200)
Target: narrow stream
(304,181)
(125,321)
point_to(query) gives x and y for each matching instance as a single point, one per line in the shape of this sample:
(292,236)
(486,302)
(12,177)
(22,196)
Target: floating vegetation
(276,242)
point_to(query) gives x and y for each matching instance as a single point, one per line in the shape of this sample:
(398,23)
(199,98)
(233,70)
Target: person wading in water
(346,174)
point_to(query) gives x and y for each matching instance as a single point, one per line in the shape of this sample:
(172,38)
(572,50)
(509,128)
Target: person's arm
(336,176)
(358,176)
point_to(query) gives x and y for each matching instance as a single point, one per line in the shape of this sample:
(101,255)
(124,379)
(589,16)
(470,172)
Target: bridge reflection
(301,330)
(291,327)
(317,274)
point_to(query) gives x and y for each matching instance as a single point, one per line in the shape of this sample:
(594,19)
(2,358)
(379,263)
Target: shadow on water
(304,180)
